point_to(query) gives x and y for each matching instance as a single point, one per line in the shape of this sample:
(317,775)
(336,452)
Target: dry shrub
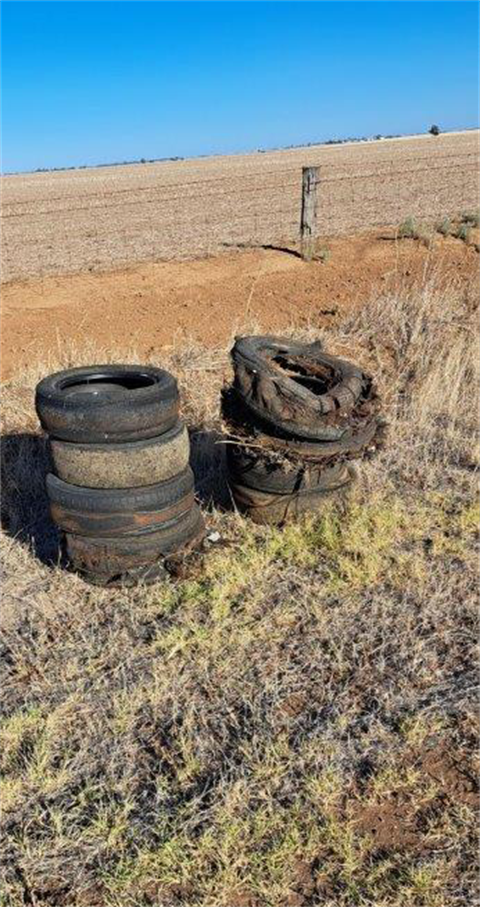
(424,351)
(297,724)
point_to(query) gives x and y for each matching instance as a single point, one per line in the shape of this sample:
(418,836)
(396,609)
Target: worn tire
(126,465)
(237,413)
(267,508)
(120,511)
(251,469)
(354,443)
(296,388)
(125,561)
(107,403)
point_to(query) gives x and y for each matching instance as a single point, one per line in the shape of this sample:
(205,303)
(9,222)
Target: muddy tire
(296,388)
(256,471)
(126,561)
(107,403)
(277,509)
(120,512)
(122,465)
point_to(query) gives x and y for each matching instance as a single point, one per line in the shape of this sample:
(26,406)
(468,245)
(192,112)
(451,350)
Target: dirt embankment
(148,306)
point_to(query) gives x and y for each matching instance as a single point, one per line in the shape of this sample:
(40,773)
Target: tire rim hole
(319,383)
(97,385)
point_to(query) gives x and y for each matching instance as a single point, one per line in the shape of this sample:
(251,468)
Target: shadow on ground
(208,461)
(25,462)
(25,516)
(269,247)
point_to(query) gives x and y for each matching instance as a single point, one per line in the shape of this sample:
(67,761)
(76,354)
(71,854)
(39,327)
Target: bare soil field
(97,219)
(156,305)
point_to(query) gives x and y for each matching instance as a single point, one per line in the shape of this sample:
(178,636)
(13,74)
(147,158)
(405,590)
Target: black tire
(123,465)
(253,469)
(354,444)
(119,512)
(107,403)
(276,509)
(238,413)
(125,561)
(296,388)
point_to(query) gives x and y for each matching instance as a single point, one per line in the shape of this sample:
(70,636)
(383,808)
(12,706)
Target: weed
(323,254)
(410,229)
(445,227)
(407,229)
(464,232)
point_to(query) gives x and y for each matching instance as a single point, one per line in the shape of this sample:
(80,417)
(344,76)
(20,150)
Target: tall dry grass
(296,725)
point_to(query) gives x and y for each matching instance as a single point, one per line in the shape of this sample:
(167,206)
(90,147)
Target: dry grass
(110,217)
(296,725)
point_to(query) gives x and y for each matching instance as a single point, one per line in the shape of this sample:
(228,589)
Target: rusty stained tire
(276,509)
(107,403)
(116,512)
(126,465)
(252,468)
(130,559)
(296,388)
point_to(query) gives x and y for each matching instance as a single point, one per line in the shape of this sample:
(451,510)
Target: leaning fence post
(308,223)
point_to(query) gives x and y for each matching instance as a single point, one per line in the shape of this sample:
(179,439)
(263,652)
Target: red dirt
(449,769)
(149,306)
(391,824)
(394,822)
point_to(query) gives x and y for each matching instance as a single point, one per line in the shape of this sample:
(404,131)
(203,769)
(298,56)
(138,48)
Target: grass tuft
(464,232)
(323,254)
(411,229)
(445,226)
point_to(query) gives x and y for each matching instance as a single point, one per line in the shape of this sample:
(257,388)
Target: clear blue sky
(91,82)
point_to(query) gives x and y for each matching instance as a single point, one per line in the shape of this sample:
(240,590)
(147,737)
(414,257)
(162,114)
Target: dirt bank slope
(149,305)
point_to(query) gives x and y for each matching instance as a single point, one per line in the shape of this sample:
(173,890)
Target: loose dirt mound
(153,305)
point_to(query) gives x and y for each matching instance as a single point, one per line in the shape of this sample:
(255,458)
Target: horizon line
(351,140)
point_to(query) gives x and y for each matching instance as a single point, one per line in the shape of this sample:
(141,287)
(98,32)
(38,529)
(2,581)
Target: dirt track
(148,306)
(104,218)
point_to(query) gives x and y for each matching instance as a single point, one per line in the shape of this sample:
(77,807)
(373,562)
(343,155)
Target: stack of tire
(121,489)
(296,419)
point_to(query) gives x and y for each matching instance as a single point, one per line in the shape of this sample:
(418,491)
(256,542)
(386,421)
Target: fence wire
(176,219)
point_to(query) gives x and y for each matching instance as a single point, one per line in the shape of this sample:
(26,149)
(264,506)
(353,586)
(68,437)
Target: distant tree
(434,130)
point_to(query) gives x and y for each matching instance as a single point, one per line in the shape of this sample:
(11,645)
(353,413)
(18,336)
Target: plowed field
(103,218)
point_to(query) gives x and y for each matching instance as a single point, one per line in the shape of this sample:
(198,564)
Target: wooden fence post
(308,223)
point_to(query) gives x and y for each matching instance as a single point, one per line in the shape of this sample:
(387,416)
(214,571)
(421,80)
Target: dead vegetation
(295,725)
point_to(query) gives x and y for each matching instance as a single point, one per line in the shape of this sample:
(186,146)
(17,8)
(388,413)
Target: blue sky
(92,82)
